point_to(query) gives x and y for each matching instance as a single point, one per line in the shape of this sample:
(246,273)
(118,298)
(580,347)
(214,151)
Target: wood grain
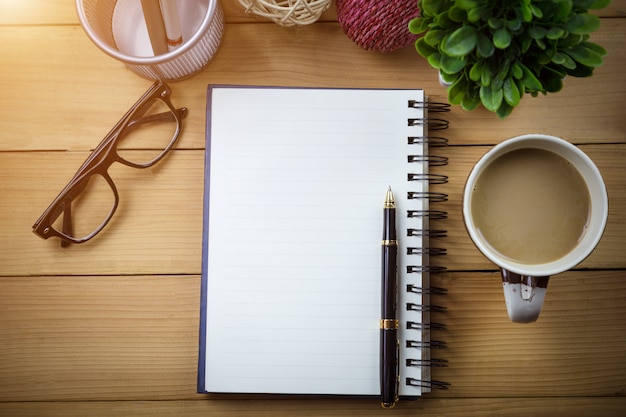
(587,110)
(111,327)
(47,12)
(157,226)
(79,338)
(426,407)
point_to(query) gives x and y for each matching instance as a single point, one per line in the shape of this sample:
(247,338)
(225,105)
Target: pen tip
(389,200)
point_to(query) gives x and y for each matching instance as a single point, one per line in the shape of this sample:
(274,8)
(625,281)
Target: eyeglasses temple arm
(114,132)
(68,228)
(161,117)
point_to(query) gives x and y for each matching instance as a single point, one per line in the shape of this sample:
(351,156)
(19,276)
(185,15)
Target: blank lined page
(296,181)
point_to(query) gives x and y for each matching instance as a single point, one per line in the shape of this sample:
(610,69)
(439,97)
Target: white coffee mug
(525,283)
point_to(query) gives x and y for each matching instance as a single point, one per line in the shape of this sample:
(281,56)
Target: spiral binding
(427,362)
(426,251)
(427,141)
(433,197)
(431,141)
(432,344)
(414,325)
(433,214)
(429,290)
(427,384)
(433,161)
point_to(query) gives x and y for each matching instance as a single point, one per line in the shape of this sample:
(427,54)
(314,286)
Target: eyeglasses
(141,138)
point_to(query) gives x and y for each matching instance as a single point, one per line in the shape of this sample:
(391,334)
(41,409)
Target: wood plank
(586,111)
(426,407)
(38,12)
(87,338)
(63,12)
(111,327)
(83,338)
(157,228)
(576,347)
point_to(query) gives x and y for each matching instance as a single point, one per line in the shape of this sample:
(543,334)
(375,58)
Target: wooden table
(111,327)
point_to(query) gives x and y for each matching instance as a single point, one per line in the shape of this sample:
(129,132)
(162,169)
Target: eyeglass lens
(145,141)
(89,211)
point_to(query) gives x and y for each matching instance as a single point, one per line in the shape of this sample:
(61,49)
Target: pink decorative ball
(378,25)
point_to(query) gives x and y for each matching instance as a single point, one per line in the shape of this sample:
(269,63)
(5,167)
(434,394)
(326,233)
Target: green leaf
(537,12)
(452,65)
(423,48)
(494,23)
(555,33)
(540,43)
(530,80)
(470,103)
(583,24)
(552,80)
(484,46)
(435,60)
(504,111)
(449,78)
(474,15)
(564,60)
(467,4)
(559,58)
(598,4)
(496,82)
(514,24)
(434,36)
(485,76)
(570,40)
(511,93)
(516,70)
(443,20)
(491,99)
(591,4)
(476,71)
(537,32)
(595,47)
(585,55)
(456,92)
(580,71)
(460,42)
(562,10)
(527,14)
(419,25)
(457,14)
(430,7)
(501,38)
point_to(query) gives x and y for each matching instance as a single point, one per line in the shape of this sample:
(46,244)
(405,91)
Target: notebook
(295,181)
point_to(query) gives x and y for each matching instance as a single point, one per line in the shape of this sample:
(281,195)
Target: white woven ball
(287,12)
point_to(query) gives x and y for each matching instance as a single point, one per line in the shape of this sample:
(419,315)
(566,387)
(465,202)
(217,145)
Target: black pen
(389,347)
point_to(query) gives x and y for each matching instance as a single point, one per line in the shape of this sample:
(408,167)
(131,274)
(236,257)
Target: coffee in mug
(535,205)
(531,195)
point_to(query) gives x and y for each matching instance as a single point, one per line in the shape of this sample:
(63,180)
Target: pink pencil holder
(118,28)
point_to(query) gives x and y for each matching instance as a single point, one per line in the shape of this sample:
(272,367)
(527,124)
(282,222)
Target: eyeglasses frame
(99,161)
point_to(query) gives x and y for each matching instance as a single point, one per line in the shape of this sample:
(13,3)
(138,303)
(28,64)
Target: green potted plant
(492,52)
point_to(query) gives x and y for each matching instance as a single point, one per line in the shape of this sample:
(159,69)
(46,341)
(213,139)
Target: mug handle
(524,295)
